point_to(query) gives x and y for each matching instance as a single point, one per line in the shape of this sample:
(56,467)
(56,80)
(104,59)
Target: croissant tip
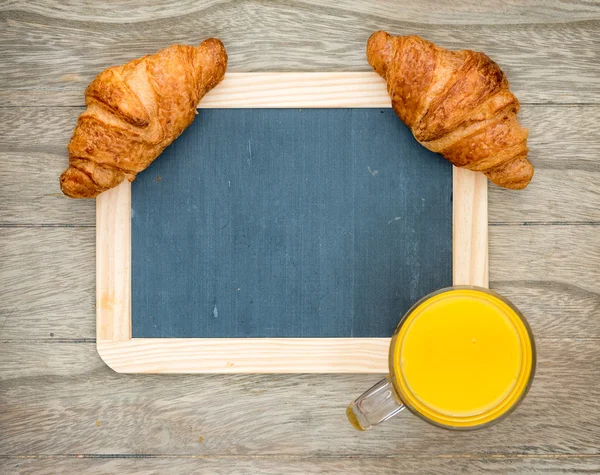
(213,43)
(379,35)
(215,48)
(211,52)
(379,51)
(514,175)
(76,184)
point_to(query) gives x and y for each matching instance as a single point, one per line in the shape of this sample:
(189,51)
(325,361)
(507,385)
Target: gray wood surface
(63,411)
(309,466)
(300,36)
(443,465)
(62,399)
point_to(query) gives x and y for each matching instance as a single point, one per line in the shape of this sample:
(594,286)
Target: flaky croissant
(456,103)
(136,110)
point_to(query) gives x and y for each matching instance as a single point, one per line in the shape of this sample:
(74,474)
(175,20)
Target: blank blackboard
(288,223)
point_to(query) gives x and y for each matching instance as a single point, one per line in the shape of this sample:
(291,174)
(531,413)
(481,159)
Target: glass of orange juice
(461,358)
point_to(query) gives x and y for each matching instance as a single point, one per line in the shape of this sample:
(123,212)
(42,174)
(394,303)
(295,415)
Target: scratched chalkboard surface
(288,223)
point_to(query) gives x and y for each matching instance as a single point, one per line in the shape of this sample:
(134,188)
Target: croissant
(456,103)
(136,110)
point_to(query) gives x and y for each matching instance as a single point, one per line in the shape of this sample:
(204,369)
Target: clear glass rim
(525,389)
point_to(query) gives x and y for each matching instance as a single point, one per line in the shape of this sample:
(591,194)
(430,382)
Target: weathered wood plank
(556,309)
(47,283)
(564,150)
(552,197)
(31,195)
(43,48)
(460,12)
(47,280)
(61,399)
(33,154)
(404,465)
(562,254)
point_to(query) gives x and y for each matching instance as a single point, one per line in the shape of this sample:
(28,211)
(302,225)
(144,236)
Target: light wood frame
(265,355)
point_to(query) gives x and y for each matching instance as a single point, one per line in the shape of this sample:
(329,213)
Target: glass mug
(461,358)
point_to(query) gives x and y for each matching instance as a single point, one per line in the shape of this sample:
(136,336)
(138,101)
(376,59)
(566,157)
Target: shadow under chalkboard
(288,223)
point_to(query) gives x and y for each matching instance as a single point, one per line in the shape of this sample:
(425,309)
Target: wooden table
(63,411)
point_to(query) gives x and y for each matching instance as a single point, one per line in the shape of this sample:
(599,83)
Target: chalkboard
(288,223)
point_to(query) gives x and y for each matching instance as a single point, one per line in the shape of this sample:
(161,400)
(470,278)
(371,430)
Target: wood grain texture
(459,12)
(443,465)
(246,355)
(47,285)
(33,154)
(52,395)
(304,90)
(113,265)
(563,148)
(542,255)
(59,52)
(563,303)
(470,229)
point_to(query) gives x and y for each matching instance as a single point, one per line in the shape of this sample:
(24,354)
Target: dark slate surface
(289,223)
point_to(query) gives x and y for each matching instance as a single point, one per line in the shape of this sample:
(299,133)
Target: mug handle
(376,405)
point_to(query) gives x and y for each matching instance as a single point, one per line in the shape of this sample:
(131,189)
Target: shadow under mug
(461,358)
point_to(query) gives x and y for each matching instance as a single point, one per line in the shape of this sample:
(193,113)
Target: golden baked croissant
(136,110)
(456,103)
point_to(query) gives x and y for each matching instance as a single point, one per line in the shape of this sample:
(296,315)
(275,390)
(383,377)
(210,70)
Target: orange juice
(462,358)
